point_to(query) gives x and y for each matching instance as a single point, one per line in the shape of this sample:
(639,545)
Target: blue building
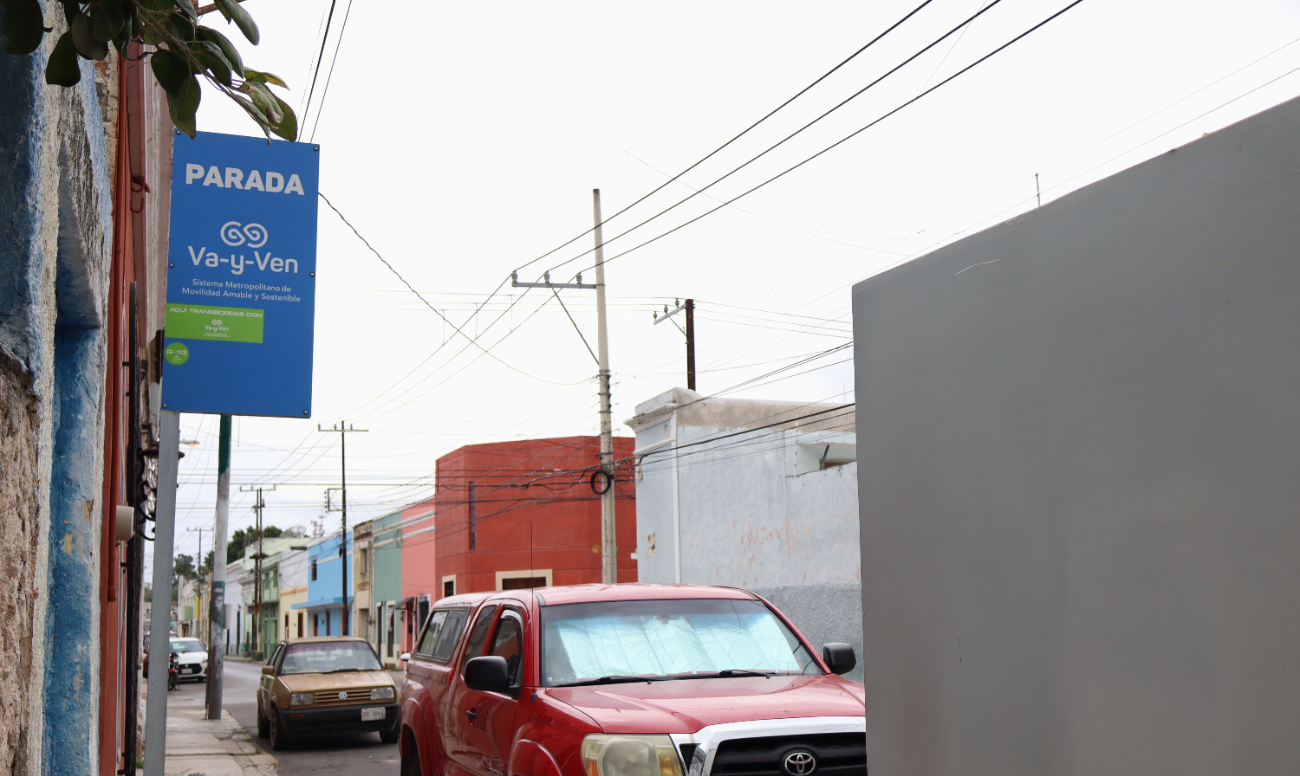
(325,603)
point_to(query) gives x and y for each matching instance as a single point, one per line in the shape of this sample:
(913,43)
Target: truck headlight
(625,755)
(300,699)
(382,694)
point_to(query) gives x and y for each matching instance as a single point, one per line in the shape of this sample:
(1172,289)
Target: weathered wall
(19,530)
(745,519)
(55,232)
(1078,490)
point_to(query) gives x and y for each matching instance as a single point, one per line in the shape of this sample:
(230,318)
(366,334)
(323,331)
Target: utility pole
(342,430)
(258,506)
(217,594)
(608,537)
(689,307)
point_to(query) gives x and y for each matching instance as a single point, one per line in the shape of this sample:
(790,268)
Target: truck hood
(685,706)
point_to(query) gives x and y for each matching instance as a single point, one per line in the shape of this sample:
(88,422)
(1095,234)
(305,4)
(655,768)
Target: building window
(522,583)
(449,588)
(299,624)
(313,570)
(286,625)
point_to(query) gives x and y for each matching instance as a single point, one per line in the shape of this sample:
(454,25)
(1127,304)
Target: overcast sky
(463,141)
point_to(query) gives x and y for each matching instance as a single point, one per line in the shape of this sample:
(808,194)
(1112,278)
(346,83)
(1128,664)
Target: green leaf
(186,8)
(180,27)
(106,23)
(266,102)
(227,48)
(70,9)
(234,12)
(287,128)
(171,71)
(83,39)
(216,64)
(156,5)
(63,68)
(266,78)
(184,106)
(24,26)
(153,36)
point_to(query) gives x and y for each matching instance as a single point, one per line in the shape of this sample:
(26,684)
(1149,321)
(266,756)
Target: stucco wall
(1079,430)
(55,233)
(745,520)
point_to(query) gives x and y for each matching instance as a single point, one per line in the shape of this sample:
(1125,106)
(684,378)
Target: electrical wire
(845,139)
(329,78)
(319,58)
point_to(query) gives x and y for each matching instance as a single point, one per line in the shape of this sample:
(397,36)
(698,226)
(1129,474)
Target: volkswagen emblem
(343,696)
(799,763)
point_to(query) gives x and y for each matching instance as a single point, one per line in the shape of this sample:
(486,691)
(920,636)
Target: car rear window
(450,636)
(431,631)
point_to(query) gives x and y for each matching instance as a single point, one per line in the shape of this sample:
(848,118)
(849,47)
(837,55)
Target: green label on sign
(176,353)
(231,324)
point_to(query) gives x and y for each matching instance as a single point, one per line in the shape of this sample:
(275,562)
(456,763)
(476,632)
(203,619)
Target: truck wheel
(263,726)
(280,740)
(391,736)
(411,764)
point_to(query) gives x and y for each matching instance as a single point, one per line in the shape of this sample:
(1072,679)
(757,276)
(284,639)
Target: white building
(754,494)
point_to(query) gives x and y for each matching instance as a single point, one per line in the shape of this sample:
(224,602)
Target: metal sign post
(160,619)
(240,322)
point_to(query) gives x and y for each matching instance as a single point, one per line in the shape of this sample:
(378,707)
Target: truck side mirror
(270,670)
(487,674)
(839,658)
(404,657)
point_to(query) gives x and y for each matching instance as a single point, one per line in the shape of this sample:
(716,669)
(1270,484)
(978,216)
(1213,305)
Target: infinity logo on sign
(232,233)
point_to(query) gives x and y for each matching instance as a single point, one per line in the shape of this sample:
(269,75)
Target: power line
(319,58)
(329,78)
(845,139)
(778,144)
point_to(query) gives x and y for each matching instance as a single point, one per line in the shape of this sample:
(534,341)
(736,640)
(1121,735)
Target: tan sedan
(325,685)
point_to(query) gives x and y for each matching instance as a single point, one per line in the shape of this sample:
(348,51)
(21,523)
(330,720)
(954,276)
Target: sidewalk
(202,747)
(212,747)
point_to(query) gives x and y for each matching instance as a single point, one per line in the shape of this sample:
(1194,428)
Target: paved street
(333,755)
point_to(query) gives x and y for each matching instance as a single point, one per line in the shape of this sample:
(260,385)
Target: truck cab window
(508,644)
(474,647)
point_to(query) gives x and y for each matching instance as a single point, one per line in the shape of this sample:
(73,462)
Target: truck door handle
(471,713)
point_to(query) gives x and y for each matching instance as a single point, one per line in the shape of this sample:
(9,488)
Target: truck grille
(837,754)
(331,697)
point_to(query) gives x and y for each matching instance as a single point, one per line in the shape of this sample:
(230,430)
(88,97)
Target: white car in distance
(192,658)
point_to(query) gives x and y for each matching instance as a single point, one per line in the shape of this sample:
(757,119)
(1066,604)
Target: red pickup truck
(626,680)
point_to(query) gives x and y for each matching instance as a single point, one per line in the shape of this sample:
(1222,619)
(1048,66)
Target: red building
(522,514)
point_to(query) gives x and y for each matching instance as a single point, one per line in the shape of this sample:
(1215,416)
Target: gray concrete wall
(1078,494)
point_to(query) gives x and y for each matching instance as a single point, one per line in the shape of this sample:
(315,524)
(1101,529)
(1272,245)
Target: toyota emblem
(799,763)
(343,696)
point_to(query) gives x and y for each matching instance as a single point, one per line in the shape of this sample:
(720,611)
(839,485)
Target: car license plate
(370,715)
(193,669)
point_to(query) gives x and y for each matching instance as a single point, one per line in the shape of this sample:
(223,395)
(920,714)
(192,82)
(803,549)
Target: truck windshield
(672,639)
(329,656)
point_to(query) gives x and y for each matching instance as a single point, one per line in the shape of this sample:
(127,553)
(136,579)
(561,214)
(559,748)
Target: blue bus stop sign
(241,276)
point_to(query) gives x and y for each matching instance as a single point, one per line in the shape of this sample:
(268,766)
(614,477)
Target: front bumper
(193,671)
(336,719)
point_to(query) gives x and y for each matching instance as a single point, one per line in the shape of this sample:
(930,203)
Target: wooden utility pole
(689,308)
